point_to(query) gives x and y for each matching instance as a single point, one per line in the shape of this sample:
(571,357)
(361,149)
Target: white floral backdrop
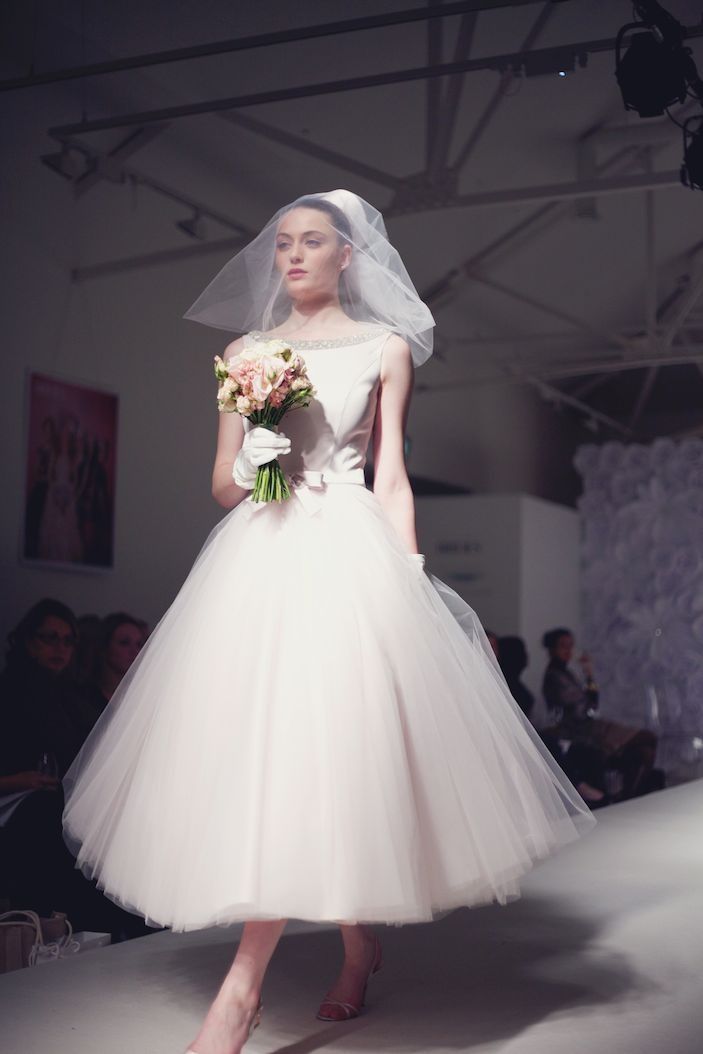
(642,573)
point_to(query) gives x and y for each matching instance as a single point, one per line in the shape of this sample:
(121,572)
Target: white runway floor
(603,955)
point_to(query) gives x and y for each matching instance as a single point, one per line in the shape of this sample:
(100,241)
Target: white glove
(260,446)
(418,562)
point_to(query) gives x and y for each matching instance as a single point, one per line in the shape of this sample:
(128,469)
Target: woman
(333,718)
(119,640)
(595,743)
(43,727)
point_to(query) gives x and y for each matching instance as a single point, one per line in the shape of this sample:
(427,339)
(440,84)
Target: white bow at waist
(305,485)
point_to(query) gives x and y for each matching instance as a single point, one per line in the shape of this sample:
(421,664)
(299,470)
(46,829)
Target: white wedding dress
(310,731)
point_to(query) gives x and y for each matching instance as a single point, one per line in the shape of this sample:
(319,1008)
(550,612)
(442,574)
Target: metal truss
(262,40)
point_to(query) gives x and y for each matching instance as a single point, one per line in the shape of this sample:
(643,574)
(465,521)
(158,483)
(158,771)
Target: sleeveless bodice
(332,434)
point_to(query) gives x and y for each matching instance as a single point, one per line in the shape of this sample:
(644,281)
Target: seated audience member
(42,727)
(513,659)
(119,641)
(88,636)
(631,751)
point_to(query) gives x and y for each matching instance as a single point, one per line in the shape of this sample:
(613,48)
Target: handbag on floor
(26,940)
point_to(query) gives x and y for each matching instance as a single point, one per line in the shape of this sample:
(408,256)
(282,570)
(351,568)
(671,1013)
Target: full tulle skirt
(317,731)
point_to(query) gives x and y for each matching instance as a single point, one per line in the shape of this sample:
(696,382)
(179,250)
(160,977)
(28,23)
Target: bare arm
(230,436)
(391,484)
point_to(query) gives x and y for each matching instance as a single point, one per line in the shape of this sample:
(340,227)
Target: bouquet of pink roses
(263,384)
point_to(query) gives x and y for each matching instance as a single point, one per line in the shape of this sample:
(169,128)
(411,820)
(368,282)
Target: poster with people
(70,475)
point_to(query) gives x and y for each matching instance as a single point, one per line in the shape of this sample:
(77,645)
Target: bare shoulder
(397,359)
(233,348)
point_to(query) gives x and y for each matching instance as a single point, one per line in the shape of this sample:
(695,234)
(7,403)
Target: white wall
(514,558)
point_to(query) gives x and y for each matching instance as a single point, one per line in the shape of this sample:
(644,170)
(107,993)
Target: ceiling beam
(501,63)
(546,216)
(261,40)
(686,304)
(548,309)
(452,98)
(499,93)
(110,164)
(565,191)
(312,149)
(433,87)
(155,259)
(643,395)
(569,191)
(685,355)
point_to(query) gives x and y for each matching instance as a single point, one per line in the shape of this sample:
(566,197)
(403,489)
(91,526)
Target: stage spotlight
(650,74)
(193,226)
(692,166)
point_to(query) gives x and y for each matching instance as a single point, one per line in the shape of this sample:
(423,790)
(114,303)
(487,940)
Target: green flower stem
(271,483)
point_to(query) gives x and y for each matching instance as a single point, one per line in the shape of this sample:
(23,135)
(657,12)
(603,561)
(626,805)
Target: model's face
(564,647)
(124,646)
(53,645)
(309,255)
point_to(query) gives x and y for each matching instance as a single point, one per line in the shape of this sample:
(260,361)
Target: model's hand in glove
(260,446)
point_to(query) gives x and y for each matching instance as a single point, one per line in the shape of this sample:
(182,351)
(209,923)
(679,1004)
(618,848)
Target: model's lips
(296,271)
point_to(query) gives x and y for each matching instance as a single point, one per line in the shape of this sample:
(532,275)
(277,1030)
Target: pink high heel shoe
(255,1022)
(336,1010)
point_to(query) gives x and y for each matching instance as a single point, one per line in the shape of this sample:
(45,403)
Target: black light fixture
(655,72)
(650,73)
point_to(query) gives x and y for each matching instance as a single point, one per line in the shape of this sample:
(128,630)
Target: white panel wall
(514,558)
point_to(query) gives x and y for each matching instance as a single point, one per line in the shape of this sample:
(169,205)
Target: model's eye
(283,245)
(312,241)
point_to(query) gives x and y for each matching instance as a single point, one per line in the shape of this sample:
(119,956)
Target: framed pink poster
(70,475)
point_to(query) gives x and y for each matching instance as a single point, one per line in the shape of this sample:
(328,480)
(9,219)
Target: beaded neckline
(335,342)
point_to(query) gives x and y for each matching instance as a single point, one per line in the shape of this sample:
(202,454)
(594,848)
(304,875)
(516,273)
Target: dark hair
(30,623)
(339,220)
(512,655)
(111,623)
(551,637)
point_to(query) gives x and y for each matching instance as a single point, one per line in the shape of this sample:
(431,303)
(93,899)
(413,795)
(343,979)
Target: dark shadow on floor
(473,977)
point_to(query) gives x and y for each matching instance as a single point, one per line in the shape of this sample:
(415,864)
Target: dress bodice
(332,434)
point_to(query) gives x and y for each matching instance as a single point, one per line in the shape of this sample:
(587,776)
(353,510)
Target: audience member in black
(43,724)
(513,659)
(631,751)
(119,641)
(89,632)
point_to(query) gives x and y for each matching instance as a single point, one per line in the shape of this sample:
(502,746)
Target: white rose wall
(642,581)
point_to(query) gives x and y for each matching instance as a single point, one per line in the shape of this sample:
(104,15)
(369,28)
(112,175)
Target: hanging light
(650,74)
